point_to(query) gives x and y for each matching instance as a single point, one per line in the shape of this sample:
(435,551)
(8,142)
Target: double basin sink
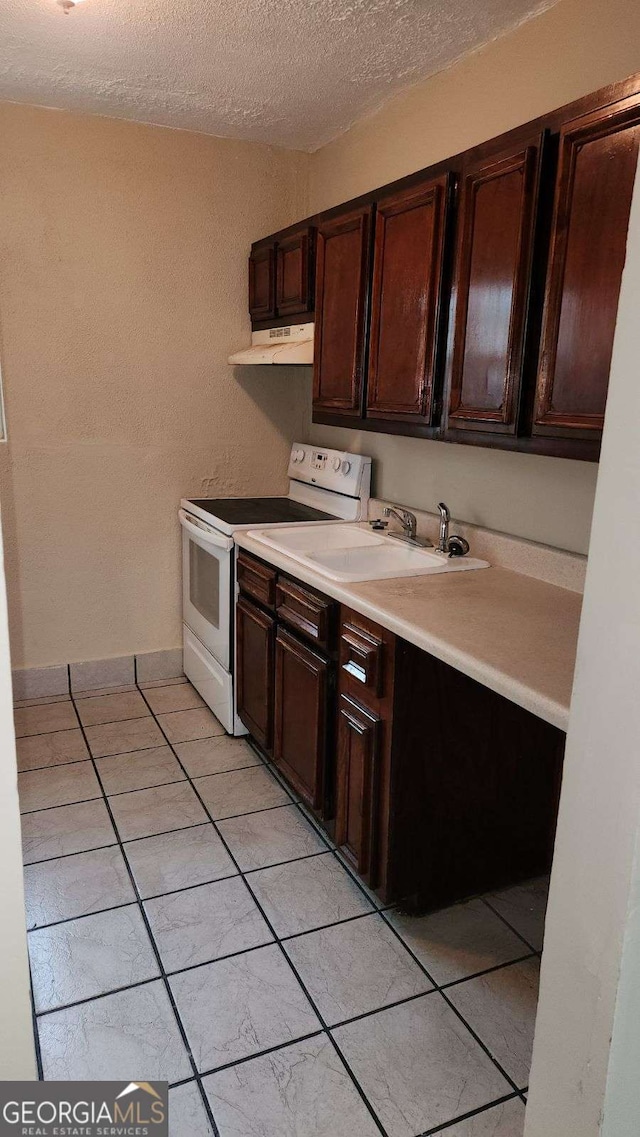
(353,553)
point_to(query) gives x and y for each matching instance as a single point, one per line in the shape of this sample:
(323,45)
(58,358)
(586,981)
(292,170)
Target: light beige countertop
(513,633)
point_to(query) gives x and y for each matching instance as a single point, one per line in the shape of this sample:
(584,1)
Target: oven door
(206,585)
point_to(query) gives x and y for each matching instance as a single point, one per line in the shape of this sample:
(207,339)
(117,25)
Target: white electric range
(324,486)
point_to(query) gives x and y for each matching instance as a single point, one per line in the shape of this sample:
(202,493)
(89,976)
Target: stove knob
(345,466)
(337,464)
(298,455)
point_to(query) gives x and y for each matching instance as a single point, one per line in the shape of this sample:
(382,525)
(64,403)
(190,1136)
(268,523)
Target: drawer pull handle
(355,670)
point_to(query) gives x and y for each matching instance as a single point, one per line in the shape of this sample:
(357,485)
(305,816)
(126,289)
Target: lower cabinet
(444,789)
(255,639)
(302,719)
(434,787)
(357,821)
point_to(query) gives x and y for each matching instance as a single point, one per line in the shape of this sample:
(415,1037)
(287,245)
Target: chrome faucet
(443,539)
(409,527)
(454,546)
(406,519)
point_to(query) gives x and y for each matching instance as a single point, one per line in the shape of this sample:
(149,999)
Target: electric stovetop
(259,510)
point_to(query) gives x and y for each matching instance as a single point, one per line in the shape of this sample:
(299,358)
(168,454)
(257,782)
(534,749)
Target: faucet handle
(458,546)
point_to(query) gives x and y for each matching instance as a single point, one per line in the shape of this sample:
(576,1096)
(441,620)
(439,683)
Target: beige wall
(574,48)
(122,291)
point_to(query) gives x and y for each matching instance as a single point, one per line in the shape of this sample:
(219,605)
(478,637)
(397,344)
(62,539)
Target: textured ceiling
(291,72)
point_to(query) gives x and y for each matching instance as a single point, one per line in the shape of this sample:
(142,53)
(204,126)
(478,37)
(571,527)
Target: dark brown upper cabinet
(281,272)
(492,278)
(486,315)
(597,167)
(406,303)
(342,284)
(262,282)
(294,269)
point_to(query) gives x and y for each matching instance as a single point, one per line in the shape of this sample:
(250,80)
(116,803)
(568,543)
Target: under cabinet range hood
(278,345)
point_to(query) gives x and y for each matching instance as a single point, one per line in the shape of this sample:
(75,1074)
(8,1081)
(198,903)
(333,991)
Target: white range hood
(278,345)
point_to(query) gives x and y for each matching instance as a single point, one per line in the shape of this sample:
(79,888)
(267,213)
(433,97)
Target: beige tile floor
(188,922)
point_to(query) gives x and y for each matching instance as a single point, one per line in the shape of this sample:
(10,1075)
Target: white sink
(352,553)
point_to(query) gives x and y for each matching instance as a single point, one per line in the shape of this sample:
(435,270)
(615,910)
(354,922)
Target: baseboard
(94,674)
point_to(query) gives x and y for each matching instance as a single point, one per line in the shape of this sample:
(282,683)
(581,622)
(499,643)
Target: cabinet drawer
(362,658)
(257,580)
(308,613)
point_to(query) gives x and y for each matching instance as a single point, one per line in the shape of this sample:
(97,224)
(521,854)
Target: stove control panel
(331,469)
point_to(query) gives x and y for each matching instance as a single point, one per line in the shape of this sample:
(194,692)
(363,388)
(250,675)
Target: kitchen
(521,494)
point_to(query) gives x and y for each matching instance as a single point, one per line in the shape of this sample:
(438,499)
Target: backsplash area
(543,562)
(548,500)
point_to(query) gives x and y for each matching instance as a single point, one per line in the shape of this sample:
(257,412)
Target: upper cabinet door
(597,167)
(498,209)
(294,285)
(405,302)
(262,283)
(342,283)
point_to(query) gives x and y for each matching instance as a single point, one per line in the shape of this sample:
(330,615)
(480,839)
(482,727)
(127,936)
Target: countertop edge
(499,681)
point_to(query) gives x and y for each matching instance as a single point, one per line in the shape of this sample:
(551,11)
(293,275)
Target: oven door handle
(210,536)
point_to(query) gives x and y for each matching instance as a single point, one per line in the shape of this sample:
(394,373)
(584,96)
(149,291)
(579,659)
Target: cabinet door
(405,303)
(357,806)
(255,670)
(301,713)
(342,283)
(597,167)
(262,283)
(293,283)
(498,209)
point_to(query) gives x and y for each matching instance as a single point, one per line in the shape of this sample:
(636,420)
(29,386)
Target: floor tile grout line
(101,994)
(282,950)
(333,924)
(122,793)
(279,864)
(62,856)
(55,765)
(163,977)
(82,915)
(467,1116)
(61,805)
(520,936)
(261,1053)
(29,703)
(475,1035)
(148,837)
(143,789)
(34,1026)
(356,1083)
(486,971)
